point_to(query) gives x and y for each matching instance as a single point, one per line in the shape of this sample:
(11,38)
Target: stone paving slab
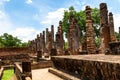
(13,77)
(94,57)
(63,75)
(43,74)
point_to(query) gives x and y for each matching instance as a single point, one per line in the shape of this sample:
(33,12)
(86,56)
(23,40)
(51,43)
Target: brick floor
(43,74)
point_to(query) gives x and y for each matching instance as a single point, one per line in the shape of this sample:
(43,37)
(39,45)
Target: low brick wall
(41,64)
(13,50)
(114,48)
(10,59)
(90,67)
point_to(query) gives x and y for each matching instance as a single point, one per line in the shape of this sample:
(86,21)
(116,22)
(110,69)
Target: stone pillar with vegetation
(73,36)
(104,29)
(90,37)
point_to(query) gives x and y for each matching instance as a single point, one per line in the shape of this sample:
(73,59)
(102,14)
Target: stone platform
(62,74)
(43,74)
(94,57)
(90,67)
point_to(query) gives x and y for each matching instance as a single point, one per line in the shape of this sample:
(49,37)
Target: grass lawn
(7,74)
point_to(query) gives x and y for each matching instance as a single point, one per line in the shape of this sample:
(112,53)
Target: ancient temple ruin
(48,50)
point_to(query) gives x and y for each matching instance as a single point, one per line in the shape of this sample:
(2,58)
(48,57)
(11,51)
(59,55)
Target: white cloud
(29,1)
(25,33)
(53,18)
(117,21)
(5,23)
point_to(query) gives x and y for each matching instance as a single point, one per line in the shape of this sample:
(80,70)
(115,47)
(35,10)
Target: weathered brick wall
(41,64)
(90,69)
(9,55)
(114,48)
(14,50)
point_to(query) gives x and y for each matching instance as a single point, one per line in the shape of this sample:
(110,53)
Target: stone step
(62,74)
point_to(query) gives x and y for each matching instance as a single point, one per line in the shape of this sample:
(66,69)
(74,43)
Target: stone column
(43,39)
(46,35)
(26,66)
(53,52)
(48,41)
(26,69)
(46,45)
(74,36)
(104,29)
(38,42)
(90,37)
(39,55)
(60,31)
(119,33)
(35,44)
(111,25)
(52,32)
(119,30)
(59,43)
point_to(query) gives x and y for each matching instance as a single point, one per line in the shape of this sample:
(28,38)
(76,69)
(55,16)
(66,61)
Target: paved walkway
(13,77)
(43,74)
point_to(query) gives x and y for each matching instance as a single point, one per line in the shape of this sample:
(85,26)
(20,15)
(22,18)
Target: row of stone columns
(44,44)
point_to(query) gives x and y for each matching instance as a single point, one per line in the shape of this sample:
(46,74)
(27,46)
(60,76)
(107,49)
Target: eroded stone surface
(104,29)
(90,37)
(90,67)
(111,25)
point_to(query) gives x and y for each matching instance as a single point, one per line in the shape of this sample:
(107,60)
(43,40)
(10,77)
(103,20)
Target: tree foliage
(117,36)
(7,40)
(81,17)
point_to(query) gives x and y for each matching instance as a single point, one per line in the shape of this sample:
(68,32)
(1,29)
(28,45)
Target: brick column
(52,32)
(104,29)
(90,37)
(43,39)
(111,25)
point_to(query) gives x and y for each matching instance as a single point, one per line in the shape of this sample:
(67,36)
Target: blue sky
(27,18)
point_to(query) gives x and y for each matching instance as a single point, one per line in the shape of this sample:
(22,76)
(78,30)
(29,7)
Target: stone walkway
(13,77)
(43,74)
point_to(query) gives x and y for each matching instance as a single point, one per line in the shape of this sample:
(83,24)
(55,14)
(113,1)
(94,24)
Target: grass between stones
(7,74)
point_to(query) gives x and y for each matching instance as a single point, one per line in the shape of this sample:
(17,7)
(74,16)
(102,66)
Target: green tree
(81,18)
(117,36)
(7,40)
(24,44)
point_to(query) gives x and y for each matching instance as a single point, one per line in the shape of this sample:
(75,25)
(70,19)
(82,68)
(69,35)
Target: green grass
(7,74)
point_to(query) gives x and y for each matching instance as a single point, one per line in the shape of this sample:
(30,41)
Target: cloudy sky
(26,18)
